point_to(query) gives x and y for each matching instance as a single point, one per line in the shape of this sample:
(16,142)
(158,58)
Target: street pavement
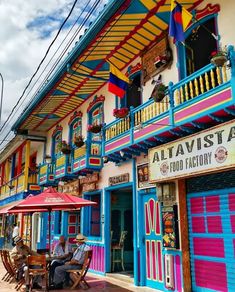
(97,283)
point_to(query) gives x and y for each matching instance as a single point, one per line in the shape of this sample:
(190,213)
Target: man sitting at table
(62,253)
(75,263)
(19,255)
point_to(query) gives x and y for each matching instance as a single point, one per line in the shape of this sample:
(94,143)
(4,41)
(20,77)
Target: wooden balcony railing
(201,94)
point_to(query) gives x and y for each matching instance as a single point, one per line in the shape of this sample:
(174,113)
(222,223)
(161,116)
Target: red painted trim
(58,128)
(96,100)
(76,114)
(19,162)
(209,9)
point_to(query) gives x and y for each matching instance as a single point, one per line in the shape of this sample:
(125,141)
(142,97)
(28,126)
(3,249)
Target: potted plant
(120,113)
(219,58)
(94,128)
(159,92)
(65,147)
(78,141)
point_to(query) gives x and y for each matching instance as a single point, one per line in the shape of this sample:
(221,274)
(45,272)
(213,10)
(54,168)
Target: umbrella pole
(49,233)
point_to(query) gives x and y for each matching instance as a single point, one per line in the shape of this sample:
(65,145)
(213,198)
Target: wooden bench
(78,276)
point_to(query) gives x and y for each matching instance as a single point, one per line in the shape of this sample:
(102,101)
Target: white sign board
(211,150)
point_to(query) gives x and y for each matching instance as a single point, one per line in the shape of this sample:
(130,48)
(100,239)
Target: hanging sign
(143,176)
(209,151)
(119,179)
(90,178)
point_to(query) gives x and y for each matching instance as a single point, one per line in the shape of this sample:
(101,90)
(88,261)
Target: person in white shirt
(62,252)
(75,263)
(15,233)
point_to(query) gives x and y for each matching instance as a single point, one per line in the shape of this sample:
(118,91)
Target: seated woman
(62,252)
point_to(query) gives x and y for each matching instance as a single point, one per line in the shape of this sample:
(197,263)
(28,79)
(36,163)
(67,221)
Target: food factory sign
(211,150)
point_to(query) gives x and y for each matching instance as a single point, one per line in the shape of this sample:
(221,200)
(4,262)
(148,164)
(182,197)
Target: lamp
(48,159)
(122,153)
(105,159)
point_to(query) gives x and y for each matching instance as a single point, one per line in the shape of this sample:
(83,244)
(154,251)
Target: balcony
(199,101)
(16,186)
(62,167)
(87,158)
(46,174)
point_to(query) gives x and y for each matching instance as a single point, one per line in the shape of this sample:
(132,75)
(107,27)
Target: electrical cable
(63,23)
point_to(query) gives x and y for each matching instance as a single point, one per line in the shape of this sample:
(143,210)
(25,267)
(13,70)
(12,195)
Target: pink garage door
(212,240)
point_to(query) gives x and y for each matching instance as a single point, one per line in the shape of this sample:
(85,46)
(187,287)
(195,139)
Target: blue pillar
(134,195)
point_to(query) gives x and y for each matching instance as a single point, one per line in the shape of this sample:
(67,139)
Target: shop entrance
(121,234)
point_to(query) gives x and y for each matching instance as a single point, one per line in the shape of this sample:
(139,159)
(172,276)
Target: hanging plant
(94,128)
(219,58)
(120,113)
(78,141)
(65,148)
(159,92)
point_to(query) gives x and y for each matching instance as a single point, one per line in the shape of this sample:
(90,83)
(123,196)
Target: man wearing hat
(19,256)
(75,263)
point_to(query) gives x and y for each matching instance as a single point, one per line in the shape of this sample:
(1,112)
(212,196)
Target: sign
(71,188)
(89,187)
(209,151)
(148,59)
(170,227)
(119,179)
(166,193)
(90,178)
(143,176)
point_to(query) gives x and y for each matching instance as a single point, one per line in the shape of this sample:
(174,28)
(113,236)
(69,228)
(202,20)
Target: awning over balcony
(120,34)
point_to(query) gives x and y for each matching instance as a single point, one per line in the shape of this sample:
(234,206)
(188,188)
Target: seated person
(75,263)
(19,255)
(62,252)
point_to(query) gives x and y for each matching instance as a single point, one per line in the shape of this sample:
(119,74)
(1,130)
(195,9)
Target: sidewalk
(97,283)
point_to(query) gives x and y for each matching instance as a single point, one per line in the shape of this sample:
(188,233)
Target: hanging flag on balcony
(118,82)
(179,21)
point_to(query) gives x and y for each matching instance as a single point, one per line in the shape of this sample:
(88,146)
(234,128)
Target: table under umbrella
(48,201)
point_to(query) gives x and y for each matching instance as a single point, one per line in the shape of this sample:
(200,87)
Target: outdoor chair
(118,251)
(10,268)
(37,266)
(5,266)
(78,276)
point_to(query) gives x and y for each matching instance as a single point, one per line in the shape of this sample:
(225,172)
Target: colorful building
(160,161)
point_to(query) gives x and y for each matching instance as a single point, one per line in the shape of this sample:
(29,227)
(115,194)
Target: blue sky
(29,27)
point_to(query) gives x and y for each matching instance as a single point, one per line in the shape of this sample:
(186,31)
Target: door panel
(153,242)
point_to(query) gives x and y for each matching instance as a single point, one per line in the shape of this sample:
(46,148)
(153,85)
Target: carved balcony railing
(200,100)
(63,166)
(87,158)
(18,185)
(46,174)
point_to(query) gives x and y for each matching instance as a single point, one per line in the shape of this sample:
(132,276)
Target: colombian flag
(117,82)
(179,21)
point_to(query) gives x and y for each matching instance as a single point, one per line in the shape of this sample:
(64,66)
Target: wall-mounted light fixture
(122,153)
(48,159)
(105,159)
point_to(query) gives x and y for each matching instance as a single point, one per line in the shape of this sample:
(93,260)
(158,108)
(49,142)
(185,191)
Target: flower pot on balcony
(120,113)
(159,92)
(219,61)
(66,150)
(94,128)
(78,141)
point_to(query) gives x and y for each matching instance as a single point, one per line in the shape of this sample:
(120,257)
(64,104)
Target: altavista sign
(208,151)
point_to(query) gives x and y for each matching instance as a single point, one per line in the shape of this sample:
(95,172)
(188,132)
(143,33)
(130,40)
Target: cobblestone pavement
(97,283)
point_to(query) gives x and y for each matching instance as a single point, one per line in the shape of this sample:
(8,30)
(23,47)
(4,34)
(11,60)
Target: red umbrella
(50,200)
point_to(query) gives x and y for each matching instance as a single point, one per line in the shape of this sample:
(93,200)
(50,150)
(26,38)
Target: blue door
(153,242)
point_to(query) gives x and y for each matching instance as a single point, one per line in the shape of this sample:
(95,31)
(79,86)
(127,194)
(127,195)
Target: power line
(61,55)
(63,23)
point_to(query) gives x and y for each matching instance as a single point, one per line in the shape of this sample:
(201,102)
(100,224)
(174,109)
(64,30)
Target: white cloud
(27,29)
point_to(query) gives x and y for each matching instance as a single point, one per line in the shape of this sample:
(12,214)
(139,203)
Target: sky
(27,29)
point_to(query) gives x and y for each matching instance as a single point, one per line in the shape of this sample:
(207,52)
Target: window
(93,216)
(193,55)
(56,141)
(96,118)
(75,126)
(133,93)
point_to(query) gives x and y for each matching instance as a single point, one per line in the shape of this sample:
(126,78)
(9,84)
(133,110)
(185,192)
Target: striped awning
(128,30)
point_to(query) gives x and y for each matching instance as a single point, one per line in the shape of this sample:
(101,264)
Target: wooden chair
(37,266)
(11,270)
(78,276)
(118,251)
(4,264)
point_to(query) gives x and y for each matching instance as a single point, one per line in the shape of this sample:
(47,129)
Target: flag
(117,82)
(179,21)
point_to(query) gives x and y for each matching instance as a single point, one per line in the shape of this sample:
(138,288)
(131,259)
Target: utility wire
(70,12)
